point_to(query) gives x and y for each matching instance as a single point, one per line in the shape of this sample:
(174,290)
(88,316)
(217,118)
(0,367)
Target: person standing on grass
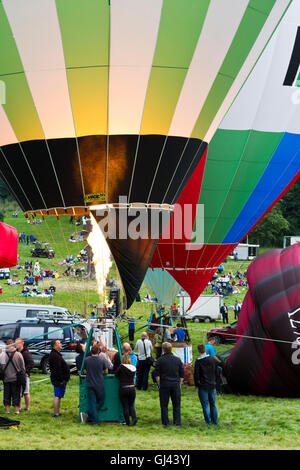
(11,362)
(59,375)
(29,364)
(94,368)
(224,312)
(169,375)
(205,371)
(131,329)
(158,342)
(144,348)
(125,373)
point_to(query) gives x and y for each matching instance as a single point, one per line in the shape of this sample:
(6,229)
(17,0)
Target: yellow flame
(101,257)
(109,304)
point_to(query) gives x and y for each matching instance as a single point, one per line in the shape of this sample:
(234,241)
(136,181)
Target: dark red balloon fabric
(8,246)
(266,358)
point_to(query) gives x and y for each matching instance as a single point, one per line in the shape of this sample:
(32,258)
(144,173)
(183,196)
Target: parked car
(4,273)
(41,250)
(38,335)
(225,334)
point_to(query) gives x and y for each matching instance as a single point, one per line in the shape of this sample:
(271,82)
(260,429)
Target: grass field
(246,422)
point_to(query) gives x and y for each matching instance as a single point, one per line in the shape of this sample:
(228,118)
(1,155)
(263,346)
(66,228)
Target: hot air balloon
(251,161)
(163,285)
(266,358)
(103,100)
(8,246)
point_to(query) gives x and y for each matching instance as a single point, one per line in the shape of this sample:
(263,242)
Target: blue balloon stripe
(283,166)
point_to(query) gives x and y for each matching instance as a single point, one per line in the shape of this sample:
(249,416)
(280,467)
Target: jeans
(142,375)
(127,398)
(165,392)
(207,399)
(96,397)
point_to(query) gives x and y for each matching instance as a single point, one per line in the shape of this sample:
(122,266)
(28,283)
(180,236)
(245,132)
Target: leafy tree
(271,229)
(290,207)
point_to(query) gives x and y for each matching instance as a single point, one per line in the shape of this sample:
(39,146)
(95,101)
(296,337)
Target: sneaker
(84,417)
(57,416)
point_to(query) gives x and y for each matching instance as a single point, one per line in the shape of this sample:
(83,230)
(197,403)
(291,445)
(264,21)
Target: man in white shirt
(144,348)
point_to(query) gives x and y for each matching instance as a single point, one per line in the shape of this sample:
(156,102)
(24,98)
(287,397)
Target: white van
(10,313)
(206,308)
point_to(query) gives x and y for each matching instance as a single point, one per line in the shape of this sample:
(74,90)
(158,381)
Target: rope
(225,334)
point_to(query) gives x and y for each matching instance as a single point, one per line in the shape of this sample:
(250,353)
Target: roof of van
(30,305)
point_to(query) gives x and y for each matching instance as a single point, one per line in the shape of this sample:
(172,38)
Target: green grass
(246,422)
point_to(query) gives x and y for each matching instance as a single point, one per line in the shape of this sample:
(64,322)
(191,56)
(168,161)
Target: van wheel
(207,320)
(196,320)
(45,366)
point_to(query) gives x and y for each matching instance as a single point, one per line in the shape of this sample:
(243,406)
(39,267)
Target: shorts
(59,392)
(26,391)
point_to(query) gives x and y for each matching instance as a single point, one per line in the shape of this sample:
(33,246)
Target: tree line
(281,221)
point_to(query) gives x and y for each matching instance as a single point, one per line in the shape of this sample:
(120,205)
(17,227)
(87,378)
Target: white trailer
(245,252)
(206,308)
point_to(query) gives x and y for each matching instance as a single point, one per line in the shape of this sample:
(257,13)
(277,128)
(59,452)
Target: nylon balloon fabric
(8,246)
(266,358)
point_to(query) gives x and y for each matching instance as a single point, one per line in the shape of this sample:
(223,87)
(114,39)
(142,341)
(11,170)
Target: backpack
(21,377)
(2,371)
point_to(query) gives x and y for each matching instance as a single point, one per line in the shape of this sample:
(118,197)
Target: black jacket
(59,369)
(126,373)
(170,370)
(205,372)
(29,364)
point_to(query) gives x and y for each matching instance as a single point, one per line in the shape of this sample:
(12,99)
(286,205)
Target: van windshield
(33,313)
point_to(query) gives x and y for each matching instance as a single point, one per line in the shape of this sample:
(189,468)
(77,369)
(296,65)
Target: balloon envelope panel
(266,358)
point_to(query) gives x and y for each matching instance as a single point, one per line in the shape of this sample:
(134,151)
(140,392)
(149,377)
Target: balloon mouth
(85,210)
(133,205)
